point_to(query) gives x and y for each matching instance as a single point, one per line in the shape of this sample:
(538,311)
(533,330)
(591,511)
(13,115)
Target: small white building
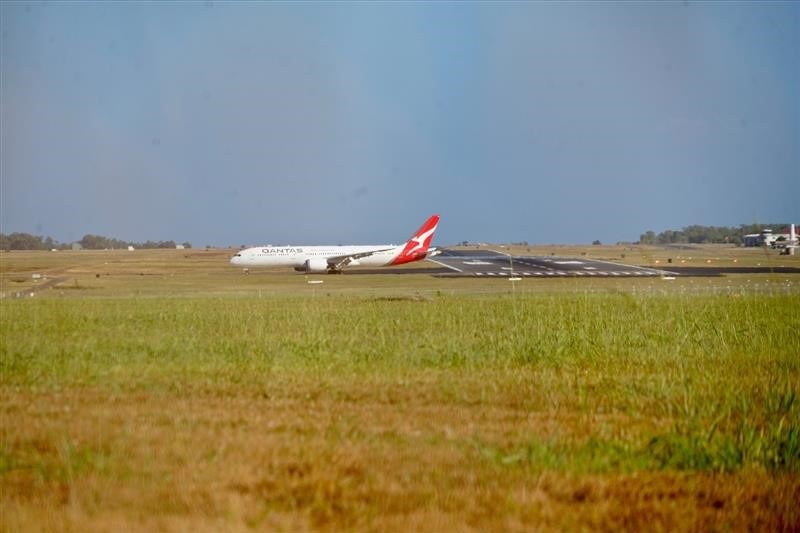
(765,238)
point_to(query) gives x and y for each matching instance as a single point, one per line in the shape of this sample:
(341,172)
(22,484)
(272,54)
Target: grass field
(166,390)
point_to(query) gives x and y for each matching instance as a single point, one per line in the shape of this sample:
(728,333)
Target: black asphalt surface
(485,263)
(488,264)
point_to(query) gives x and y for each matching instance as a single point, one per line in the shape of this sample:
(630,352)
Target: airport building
(765,238)
(786,240)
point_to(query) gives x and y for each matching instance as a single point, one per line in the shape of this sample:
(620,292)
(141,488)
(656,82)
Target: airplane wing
(339,261)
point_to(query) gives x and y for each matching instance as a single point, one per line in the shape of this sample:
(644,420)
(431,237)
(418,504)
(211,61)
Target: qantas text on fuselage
(334,258)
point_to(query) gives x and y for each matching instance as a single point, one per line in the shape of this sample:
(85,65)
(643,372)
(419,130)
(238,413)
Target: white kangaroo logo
(420,240)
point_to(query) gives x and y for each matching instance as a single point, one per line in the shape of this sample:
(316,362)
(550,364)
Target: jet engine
(316,264)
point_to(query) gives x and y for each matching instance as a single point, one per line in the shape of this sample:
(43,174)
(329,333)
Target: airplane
(332,259)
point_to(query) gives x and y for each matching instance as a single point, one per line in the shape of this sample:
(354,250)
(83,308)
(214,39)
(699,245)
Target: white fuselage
(335,258)
(298,256)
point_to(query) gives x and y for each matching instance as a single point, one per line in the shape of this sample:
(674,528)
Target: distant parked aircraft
(333,259)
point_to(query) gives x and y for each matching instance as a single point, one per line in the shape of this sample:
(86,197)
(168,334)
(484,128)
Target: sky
(232,123)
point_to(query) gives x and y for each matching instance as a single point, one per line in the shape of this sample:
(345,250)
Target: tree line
(697,234)
(694,234)
(26,241)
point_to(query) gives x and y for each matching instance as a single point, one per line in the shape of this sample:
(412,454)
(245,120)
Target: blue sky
(229,123)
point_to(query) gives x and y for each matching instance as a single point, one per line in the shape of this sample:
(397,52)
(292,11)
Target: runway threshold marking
(451,267)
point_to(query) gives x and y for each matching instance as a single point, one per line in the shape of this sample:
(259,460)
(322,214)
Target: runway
(491,264)
(487,263)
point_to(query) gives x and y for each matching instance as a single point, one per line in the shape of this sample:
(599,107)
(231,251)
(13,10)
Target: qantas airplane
(332,259)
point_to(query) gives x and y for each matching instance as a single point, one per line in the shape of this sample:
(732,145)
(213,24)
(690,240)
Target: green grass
(721,372)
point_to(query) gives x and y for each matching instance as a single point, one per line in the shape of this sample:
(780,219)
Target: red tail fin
(417,246)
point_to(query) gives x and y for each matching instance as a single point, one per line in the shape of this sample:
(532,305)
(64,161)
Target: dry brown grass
(373,456)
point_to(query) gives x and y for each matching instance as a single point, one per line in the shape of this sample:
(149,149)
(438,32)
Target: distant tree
(596,242)
(648,237)
(697,234)
(157,244)
(98,242)
(25,241)
(669,237)
(93,242)
(22,241)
